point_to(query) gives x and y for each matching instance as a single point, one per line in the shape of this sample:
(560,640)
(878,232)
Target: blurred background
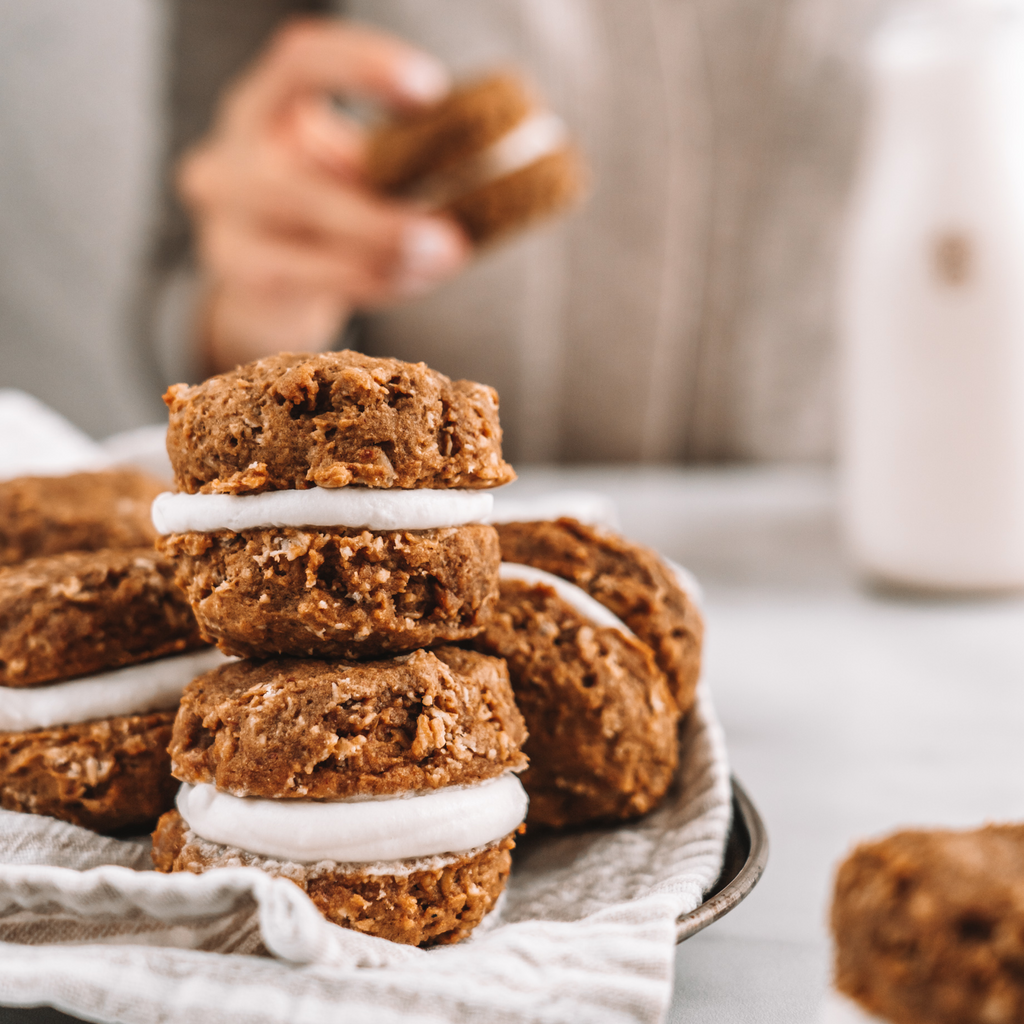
(686,312)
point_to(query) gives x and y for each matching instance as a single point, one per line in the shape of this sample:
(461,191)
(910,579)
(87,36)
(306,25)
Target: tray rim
(747,821)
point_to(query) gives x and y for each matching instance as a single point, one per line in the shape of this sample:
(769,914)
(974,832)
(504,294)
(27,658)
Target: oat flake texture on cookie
(331,420)
(69,617)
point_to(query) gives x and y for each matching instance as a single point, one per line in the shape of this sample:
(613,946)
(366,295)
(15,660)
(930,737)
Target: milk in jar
(932,304)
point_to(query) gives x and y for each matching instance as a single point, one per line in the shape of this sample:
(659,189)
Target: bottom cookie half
(427,902)
(337,593)
(107,775)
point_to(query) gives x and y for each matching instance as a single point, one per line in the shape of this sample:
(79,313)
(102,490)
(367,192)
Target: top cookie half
(47,515)
(331,420)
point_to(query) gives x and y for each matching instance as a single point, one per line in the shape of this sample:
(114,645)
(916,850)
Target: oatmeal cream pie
(631,581)
(601,718)
(95,650)
(489,154)
(333,505)
(603,648)
(386,790)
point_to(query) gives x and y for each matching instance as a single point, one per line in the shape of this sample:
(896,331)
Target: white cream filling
(134,690)
(399,827)
(536,136)
(586,507)
(355,507)
(578,598)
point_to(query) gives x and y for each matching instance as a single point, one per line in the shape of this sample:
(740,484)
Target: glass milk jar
(932,305)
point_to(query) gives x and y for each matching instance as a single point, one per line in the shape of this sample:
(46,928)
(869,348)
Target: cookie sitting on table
(928,926)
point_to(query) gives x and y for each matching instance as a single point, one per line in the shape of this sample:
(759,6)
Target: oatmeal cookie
(600,718)
(104,775)
(337,593)
(470,118)
(929,926)
(427,902)
(47,515)
(332,420)
(462,156)
(299,728)
(82,612)
(629,580)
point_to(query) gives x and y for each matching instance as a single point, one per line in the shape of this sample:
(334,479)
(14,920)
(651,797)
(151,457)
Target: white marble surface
(847,713)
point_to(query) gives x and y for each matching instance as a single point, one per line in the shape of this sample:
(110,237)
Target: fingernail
(431,250)
(424,79)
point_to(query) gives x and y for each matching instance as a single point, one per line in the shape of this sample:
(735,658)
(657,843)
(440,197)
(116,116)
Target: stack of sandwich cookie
(331,507)
(93,659)
(603,647)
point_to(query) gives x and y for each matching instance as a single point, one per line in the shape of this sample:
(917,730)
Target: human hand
(289,237)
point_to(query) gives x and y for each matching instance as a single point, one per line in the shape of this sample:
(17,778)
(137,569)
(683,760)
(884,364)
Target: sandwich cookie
(95,650)
(85,612)
(601,719)
(386,789)
(332,505)
(489,154)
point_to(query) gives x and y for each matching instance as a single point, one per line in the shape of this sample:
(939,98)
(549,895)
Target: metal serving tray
(746,854)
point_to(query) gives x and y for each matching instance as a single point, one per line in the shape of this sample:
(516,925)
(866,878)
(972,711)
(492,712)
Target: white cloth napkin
(586,931)
(35,440)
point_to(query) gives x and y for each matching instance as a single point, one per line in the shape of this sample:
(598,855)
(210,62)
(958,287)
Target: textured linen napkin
(585,931)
